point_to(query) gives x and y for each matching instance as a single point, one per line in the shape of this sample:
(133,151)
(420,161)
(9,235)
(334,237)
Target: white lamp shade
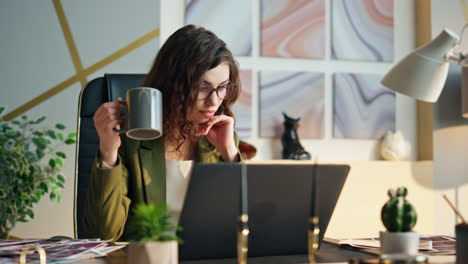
(422,73)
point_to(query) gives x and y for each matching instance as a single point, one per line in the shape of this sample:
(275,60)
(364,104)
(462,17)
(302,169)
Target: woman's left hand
(219,130)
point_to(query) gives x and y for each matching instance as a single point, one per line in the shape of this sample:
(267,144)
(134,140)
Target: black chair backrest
(94,94)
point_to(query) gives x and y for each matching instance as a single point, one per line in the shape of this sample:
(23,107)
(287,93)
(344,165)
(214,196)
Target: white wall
(34,58)
(450,129)
(357,215)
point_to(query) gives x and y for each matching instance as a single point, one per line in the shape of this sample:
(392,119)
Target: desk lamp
(423,72)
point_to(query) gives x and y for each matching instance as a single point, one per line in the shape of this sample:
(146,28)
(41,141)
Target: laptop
(279,205)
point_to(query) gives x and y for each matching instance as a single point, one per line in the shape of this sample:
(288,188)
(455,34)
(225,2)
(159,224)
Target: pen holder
(461,231)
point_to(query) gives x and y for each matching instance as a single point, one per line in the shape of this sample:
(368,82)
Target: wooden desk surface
(327,253)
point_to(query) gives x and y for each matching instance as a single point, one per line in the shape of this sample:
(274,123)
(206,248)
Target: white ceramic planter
(153,253)
(403,243)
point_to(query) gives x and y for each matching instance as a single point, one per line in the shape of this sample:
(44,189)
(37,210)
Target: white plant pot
(401,243)
(153,253)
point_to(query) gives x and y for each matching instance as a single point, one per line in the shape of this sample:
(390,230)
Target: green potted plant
(153,236)
(399,217)
(30,167)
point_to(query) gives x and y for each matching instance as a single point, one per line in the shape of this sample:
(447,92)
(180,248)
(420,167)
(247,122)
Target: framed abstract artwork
(362,107)
(362,30)
(230,20)
(293,28)
(298,94)
(243,107)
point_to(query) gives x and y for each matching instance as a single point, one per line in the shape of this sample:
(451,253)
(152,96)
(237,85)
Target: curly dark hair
(177,72)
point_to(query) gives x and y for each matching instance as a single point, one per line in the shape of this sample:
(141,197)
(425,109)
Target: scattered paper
(431,245)
(61,251)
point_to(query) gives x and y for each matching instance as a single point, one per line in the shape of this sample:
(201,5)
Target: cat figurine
(292,148)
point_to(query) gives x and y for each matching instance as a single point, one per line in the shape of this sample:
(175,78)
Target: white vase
(153,253)
(402,243)
(395,147)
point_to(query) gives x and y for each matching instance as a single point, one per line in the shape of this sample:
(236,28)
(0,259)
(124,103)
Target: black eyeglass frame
(229,88)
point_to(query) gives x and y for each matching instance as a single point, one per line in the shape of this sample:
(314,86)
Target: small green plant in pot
(30,167)
(399,218)
(153,236)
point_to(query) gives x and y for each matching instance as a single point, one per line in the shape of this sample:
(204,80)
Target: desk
(327,253)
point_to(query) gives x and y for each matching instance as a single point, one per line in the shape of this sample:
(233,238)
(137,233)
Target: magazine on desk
(57,251)
(428,244)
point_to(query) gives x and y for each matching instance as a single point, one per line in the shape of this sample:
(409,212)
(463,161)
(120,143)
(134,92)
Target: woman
(199,81)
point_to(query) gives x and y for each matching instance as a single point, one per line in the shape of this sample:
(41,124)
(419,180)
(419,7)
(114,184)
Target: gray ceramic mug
(142,116)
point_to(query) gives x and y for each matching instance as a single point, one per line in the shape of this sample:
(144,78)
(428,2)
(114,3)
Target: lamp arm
(464,60)
(455,56)
(461,34)
(458,57)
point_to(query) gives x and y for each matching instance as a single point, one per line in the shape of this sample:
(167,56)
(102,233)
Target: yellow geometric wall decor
(81,73)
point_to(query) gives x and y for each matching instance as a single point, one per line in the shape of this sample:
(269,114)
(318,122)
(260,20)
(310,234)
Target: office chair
(95,93)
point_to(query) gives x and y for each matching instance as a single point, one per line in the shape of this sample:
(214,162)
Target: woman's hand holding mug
(139,117)
(106,118)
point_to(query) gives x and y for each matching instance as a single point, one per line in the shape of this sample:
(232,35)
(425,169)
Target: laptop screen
(279,205)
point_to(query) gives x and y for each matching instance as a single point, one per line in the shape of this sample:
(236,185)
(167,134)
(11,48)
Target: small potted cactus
(399,217)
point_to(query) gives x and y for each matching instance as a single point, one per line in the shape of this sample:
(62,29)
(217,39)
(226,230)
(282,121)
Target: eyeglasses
(223,92)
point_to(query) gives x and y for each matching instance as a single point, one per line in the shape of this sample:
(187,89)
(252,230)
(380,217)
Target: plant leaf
(60,126)
(30,213)
(70,141)
(72,135)
(61,154)
(42,140)
(24,196)
(60,178)
(58,162)
(52,163)
(51,134)
(151,223)
(38,194)
(40,119)
(44,187)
